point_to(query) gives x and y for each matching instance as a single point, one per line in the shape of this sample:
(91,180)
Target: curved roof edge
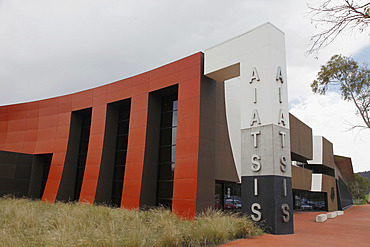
(344,164)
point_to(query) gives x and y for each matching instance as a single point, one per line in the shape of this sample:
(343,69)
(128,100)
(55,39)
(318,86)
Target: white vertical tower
(258,57)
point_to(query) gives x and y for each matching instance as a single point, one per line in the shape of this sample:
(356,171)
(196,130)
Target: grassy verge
(33,223)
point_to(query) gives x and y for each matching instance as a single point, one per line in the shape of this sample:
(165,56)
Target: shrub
(33,223)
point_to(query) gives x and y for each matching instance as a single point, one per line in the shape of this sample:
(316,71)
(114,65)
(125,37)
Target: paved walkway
(350,229)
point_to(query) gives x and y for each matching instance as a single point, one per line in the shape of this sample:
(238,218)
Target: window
(82,153)
(167,151)
(120,154)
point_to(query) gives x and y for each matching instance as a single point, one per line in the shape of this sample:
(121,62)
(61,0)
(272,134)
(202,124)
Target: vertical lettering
(254,134)
(255,187)
(280,96)
(279,75)
(283,165)
(282,133)
(255,118)
(254,75)
(281,117)
(256,165)
(258,215)
(255,95)
(285,192)
(285,211)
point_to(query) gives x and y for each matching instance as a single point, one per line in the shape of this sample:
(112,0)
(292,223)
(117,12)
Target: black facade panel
(74,165)
(120,152)
(24,166)
(344,195)
(8,157)
(21,187)
(7,170)
(113,162)
(15,170)
(7,186)
(150,169)
(104,185)
(25,176)
(39,174)
(160,148)
(271,196)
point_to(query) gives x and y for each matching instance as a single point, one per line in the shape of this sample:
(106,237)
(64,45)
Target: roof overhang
(344,164)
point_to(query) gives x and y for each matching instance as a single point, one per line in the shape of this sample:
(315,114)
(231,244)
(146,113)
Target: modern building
(185,135)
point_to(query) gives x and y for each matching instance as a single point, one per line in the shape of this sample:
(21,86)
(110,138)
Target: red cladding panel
(94,153)
(163,82)
(43,127)
(184,208)
(55,174)
(135,153)
(164,71)
(187,142)
(185,188)
(186,168)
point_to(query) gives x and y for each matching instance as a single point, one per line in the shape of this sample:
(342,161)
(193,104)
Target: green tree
(334,17)
(359,188)
(353,81)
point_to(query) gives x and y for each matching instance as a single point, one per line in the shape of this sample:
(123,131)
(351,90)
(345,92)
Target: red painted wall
(43,127)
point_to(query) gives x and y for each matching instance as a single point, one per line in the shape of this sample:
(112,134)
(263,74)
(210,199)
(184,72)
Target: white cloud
(331,117)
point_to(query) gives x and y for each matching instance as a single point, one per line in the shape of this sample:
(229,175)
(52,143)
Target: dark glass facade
(120,154)
(82,151)
(167,150)
(344,195)
(228,196)
(45,173)
(310,201)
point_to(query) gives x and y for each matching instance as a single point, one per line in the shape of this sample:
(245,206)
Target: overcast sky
(52,48)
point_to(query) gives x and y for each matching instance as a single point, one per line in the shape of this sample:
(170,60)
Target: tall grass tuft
(33,223)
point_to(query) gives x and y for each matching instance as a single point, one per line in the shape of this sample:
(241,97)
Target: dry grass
(33,223)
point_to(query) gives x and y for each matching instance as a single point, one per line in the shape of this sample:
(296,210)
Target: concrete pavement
(350,229)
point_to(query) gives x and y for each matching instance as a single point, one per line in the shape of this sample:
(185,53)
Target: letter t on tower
(258,57)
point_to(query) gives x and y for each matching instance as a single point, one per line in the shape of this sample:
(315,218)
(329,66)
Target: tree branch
(347,16)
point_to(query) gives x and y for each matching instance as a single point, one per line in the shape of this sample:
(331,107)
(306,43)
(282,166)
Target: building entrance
(228,196)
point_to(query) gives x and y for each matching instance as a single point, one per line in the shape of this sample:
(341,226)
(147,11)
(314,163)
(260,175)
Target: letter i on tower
(266,171)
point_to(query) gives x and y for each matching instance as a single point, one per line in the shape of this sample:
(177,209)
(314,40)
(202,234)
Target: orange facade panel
(44,127)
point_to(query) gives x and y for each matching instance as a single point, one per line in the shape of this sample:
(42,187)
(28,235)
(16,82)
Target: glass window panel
(174,133)
(166,172)
(117,188)
(124,114)
(120,158)
(119,173)
(120,155)
(166,137)
(173,169)
(123,128)
(175,104)
(167,151)
(86,123)
(85,133)
(218,196)
(165,154)
(122,142)
(165,189)
(80,174)
(173,153)
(167,105)
(174,118)
(83,145)
(81,160)
(166,120)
